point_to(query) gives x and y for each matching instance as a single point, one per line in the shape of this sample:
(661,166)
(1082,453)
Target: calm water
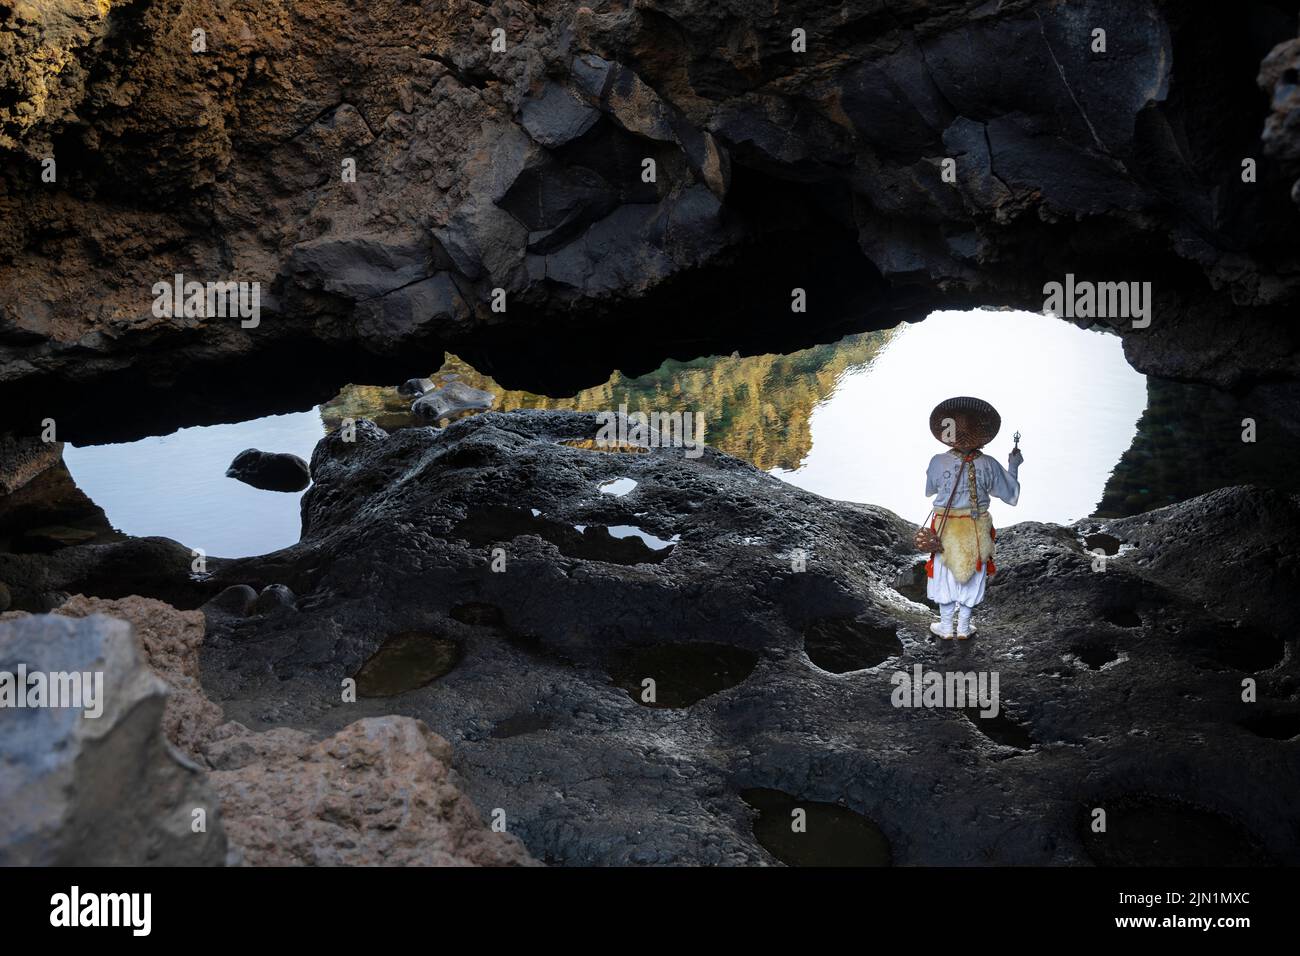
(175,485)
(847,420)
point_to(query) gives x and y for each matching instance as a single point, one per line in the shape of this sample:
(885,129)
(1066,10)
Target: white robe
(991,479)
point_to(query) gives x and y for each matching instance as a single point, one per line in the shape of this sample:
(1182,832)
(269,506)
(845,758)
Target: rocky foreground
(161,779)
(465,578)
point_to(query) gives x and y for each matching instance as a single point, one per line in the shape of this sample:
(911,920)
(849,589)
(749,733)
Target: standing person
(962,480)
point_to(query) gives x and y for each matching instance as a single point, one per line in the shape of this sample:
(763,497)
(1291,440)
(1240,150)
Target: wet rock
(414,387)
(270,471)
(5,598)
(152,567)
(405,662)
(342,442)
(274,598)
(1151,831)
(236,600)
(829,835)
(451,398)
(107,791)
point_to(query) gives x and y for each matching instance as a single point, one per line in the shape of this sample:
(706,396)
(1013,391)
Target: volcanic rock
(270,471)
(1114,683)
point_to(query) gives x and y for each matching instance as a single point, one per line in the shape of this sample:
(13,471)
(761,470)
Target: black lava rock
(270,471)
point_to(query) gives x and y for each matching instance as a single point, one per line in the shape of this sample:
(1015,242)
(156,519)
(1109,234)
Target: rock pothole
(478,614)
(1095,656)
(1144,830)
(841,644)
(683,674)
(1125,617)
(614,544)
(1237,646)
(1273,725)
(1000,728)
(517,725)
(911,583)
(811,833)
(406,661)
(1107,543)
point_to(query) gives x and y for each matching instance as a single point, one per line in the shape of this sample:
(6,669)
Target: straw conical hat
(965,422)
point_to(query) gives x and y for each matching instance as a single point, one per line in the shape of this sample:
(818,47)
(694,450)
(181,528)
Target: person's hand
(1015,458)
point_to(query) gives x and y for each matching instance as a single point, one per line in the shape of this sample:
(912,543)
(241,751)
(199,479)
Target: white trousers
(943,588)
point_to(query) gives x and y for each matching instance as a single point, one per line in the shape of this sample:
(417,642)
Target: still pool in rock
(683,674)
(406,661)
(846,420)
(823,834)
(1146,830)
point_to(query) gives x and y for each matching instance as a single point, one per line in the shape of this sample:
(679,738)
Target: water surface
(848,420)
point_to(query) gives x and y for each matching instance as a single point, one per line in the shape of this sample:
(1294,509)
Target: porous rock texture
(524,169)
(1122,661)
(22,459)
(96,791)
(378,791)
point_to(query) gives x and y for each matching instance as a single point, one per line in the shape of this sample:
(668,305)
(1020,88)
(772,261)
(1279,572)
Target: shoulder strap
(956,483)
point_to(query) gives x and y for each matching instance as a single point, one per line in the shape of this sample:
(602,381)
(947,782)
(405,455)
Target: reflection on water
(1189,441)
(847,420)
(850,420)
(1069,391)
(176,486)
(757,408)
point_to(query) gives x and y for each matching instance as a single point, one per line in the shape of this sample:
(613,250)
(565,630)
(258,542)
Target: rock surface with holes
(1119,687)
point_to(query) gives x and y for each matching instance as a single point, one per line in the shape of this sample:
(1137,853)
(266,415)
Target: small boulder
(274,597)
(414,387)
(235,601)
(270,471)
(450,399)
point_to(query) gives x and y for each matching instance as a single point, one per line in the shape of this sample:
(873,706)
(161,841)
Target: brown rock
(170,640)
(378,791)
(22,459)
